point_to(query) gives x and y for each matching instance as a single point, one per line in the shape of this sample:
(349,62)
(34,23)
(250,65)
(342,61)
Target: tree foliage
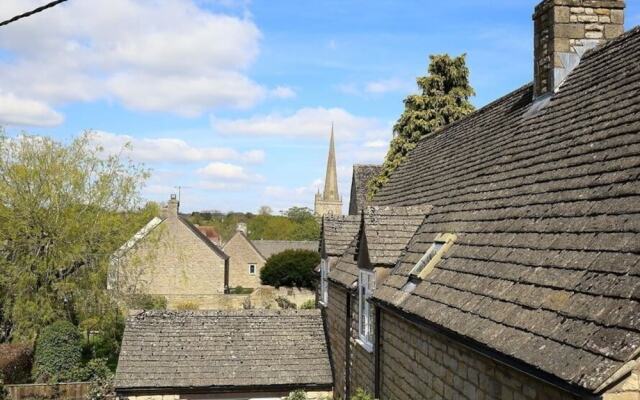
(58,352)
(291,268)
(443,99)
(64,209)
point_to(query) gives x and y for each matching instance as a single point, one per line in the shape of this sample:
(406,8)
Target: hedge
(58,353)
(291,268)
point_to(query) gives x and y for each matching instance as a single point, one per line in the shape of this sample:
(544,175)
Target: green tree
(64,209)
(291,268)
(58,353)
(444,99)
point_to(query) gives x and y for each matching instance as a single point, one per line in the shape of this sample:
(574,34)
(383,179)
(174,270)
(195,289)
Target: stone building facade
(171,258)
(329,202)
(245,261)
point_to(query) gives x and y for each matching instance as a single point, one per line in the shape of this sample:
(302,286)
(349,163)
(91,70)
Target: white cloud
(283,92)
(376,144)
(306,122)
(170,149)
(169,56)
(229,172)
(386,86)
(20,111)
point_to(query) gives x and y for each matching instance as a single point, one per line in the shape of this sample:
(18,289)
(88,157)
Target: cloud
(229,172)
(181,59)
(377,144)
(283,92)
(306,122)
(19,111)
(387,85)
(170,149)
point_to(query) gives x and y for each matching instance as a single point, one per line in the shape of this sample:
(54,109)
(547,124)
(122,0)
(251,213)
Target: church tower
(329,202)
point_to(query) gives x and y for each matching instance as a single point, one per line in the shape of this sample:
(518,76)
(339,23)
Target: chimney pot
(172,206)
(241,227)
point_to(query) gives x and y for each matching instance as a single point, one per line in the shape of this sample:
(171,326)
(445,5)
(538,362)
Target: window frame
(255,268)
(433,255)
(324,282)
(366,286)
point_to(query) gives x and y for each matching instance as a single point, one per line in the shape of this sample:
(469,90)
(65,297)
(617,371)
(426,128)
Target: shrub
(291,268)
(58,353)
(143,301)
(16,361)
(308,305)
(285,303)
(297,395)
(240,290)
(187,306)
(361,394)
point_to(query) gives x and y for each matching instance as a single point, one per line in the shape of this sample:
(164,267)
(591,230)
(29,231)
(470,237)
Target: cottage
(522,280)
(248,354)
(170,257)
(247,257)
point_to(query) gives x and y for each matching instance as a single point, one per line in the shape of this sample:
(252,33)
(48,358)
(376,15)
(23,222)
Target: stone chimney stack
(241,227)
(172,206)
(564,30)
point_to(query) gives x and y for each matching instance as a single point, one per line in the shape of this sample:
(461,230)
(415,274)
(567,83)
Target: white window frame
(255,268)
(324,282)
(366,286)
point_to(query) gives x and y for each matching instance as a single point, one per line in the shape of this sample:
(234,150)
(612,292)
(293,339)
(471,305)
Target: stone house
(247,257)
(521,280)
(247,354)
(170,257)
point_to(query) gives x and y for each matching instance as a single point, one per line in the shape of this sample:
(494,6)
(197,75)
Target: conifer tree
(444,99)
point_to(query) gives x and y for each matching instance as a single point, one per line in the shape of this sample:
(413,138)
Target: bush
(58,353)
(240,290)
(285,303)
(297,395)
(187,306)
(361,394)
(291,268)
(16,361)
(143,301)
(308,305)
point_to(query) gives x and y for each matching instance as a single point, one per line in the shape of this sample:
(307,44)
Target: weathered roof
(361,176)
(546,208)
(388,231)
(270,247)
(337,232)
(223,350)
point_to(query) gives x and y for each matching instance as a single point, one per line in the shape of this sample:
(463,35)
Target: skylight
(433,255)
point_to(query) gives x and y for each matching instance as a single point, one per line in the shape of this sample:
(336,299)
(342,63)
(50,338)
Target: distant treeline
(297,223)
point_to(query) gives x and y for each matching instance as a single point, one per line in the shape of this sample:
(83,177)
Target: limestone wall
(241,254)
(335,316)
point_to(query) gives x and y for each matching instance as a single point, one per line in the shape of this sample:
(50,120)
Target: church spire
(331,179)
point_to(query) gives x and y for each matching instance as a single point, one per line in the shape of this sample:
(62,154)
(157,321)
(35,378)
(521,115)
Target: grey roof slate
(337,232)
(223,349)
(388,231)
(270,247)
(361,176)
(546,207)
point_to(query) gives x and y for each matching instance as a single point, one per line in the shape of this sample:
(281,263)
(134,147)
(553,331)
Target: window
(252,269)
(324,281)
(433,254)
(366,285)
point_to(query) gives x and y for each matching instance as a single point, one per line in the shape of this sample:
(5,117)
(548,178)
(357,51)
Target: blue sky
(234,99)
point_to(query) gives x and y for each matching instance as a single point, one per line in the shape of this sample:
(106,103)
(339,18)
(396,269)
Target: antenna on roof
(180,190)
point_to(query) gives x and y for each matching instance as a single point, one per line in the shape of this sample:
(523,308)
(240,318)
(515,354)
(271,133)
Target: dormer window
(433,255)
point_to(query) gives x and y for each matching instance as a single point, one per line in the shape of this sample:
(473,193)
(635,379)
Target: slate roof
(388,231)
(223,351)
(337,232)
(270,247)
(546,207)
(361,176)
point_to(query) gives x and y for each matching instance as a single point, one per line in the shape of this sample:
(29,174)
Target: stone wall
(242,253)
(417,364)
(173,262)
(564,30)
(335,317)
(362,360)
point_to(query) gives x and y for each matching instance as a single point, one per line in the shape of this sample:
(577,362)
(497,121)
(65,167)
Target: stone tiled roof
(361,176)
(337,233)
(388,231)
(545,270)
(270,247)
(223,351)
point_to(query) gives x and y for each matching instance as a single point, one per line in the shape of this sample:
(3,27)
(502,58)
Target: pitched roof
(388,231)
(210,232)
(203,237)
(361,176)
(337,232)
(546,208)
(223,350)
(270,247)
